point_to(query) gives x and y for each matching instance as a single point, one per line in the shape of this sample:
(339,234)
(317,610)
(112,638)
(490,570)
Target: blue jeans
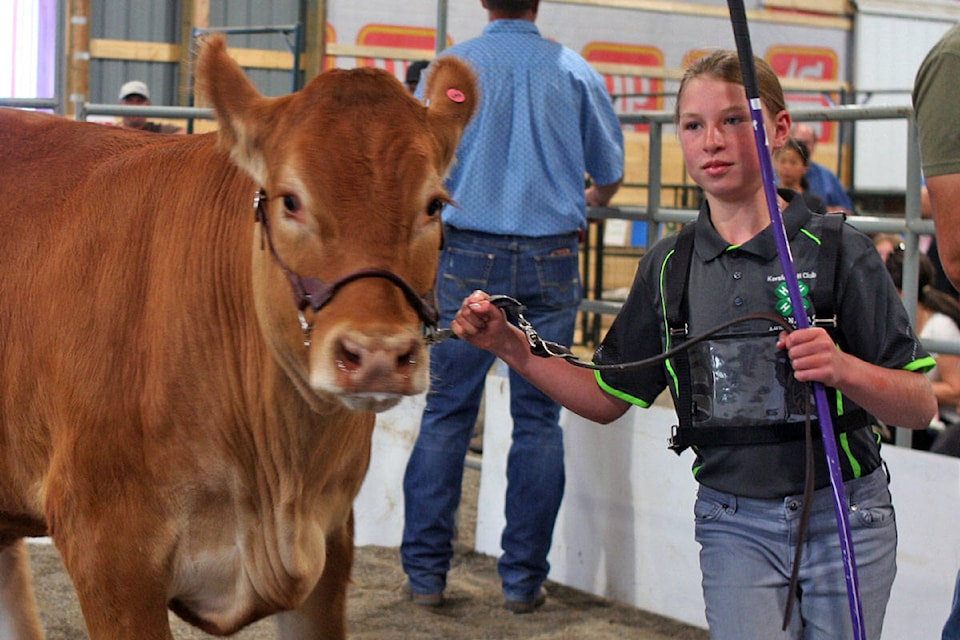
(951,630)
(747,552)
(544,274)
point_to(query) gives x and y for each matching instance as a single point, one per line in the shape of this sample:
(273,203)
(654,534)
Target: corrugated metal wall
(159,21)
(256,13)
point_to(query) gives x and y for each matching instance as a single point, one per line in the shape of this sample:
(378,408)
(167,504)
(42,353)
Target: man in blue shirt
(823,182)
(545,122)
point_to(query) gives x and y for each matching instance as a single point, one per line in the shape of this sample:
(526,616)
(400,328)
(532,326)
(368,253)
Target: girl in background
(791,162)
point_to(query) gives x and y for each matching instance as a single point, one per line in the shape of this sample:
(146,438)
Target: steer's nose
(373,363)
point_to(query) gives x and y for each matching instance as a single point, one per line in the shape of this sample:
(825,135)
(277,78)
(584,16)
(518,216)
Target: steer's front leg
(119,599)
(111,540)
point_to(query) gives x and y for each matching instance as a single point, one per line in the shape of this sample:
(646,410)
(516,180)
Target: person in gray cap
(137,93)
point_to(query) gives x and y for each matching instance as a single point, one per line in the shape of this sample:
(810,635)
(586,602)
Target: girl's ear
(780,129)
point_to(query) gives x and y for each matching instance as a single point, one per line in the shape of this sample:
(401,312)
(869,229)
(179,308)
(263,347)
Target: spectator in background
(823,182)
(791,162)
(136,93)
(887,243)
(545,121)
(936,94)
(414,70)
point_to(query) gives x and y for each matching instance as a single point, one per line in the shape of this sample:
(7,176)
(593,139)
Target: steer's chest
(233,565)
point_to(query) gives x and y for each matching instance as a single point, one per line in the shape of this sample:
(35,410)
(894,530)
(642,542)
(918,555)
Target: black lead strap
(547,349)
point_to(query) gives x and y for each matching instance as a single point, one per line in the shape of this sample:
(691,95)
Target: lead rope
(808,489)
(546,349)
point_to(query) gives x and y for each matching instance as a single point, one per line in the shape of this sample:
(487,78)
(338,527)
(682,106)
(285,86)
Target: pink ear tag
(456,95)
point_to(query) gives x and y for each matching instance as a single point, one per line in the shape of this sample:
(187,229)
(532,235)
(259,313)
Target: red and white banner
(631,94)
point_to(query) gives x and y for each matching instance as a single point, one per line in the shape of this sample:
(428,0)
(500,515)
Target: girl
(792,161)
(751,493)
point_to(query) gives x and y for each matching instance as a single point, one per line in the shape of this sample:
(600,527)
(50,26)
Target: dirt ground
(378,610)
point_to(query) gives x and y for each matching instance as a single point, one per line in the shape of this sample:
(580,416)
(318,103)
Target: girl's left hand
(814,356)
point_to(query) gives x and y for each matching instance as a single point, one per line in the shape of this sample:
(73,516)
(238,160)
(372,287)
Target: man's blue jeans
(747,552)
(543,274)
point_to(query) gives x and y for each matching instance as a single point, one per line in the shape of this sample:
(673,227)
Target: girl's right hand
(481,323)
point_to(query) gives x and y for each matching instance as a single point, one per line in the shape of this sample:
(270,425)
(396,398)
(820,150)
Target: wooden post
(314,14)
(77,54)
(193,14)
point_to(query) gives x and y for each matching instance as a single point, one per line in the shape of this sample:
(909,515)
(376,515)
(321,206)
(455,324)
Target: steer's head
(352,174)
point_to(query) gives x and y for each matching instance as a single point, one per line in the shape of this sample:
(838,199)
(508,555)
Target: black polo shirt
(727,282)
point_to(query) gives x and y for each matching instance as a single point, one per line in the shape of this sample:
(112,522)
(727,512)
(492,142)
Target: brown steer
(187,384)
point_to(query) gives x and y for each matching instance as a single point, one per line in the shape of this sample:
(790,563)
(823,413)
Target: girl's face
(790,168)
(716,136)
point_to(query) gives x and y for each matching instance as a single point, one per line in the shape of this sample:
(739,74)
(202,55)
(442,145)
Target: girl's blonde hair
(724,65)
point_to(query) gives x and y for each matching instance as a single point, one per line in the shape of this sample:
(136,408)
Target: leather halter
(315,294)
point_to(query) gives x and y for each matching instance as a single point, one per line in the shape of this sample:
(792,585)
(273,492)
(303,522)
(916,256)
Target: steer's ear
(240,108)
(452,98)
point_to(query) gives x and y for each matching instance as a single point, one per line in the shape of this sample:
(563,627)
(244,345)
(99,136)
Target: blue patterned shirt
(825,184)
(544,121)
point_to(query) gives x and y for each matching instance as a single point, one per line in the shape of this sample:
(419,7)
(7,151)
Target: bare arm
(485,326)
(926,210)
(894,396)
(945,202)
(599,195)
(947,389)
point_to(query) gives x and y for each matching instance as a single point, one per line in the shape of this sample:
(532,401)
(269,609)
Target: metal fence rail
(87,109)
(190,114)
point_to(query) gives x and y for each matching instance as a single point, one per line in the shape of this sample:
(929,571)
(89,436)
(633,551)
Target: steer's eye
(291,203)
(435,207)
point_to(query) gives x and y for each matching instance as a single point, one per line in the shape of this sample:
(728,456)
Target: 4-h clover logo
(784,306)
